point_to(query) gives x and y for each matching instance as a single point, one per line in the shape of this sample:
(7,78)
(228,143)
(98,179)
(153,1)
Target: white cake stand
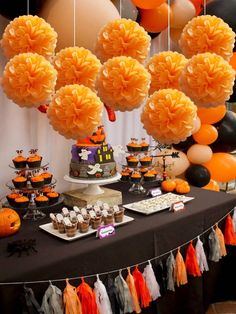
(93,185)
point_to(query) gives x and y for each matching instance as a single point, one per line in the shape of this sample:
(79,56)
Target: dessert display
(92,157)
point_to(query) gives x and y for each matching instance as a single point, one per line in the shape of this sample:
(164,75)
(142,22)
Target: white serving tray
(49,228)
(155,204)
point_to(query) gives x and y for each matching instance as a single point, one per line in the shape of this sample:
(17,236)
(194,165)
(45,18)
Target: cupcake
(46,189)
(11,198)
(53,197)
(47,177)
(41,201)
(135,177)
(34,160)
(145,161)
(149,176)
(19,182)
(132,161)
(125,176)
(143,171)
(133,146)
(19,161)
(22,202)
(96,222)
(144,145)
(119,215)
(37,181)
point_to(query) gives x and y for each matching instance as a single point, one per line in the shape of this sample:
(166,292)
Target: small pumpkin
(9,222)
(183,188)
(168,185)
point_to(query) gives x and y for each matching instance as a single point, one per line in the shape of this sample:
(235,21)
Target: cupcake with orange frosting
(132,161)
(37,181)
(34,160)
(136,177)
(53,197)
(47,177)
(144,145)
(22,202)
(19,182)
(46,189)
(143,170)
(133,146)
(145,161)
(149,176)
(125,175)
(11,198)
(19,161)
(41,201)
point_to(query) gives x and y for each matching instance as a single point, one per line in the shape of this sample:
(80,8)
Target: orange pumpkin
(9,222)
(168,185)
(183,188)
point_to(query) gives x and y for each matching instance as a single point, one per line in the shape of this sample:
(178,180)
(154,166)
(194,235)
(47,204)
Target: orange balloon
(155,20)
(232,61)
(222,167)
(148,4)
(211,115)
(206,135)
(212,185)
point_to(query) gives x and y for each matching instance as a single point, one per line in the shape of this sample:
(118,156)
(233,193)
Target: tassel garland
(201,256)
(180,273)
(71,301)
(102,299)
(170,264)
(141,287)
(221,239)
(151,282)
(191,263)
(123,295)
(52,301)
(230,237)
(214,245)
(133,292)
(87,297)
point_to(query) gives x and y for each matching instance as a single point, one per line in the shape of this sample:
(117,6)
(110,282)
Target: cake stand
(93,185)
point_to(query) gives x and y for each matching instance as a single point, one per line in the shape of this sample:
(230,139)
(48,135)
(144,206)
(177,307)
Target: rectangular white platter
(156,204)
(49,228)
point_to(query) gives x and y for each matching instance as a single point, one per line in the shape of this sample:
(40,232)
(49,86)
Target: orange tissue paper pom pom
(29,33)
(29,80)
(76,65)
(123,37)
(123,83)
(207,79)
(165,69)
(168,116)
(207,33)
(75,111)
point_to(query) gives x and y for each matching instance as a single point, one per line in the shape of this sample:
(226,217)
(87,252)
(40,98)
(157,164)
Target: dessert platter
(33,186)
(81,222)
(156,204)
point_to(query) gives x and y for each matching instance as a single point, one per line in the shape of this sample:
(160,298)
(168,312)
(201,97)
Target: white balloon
(182,11)
(199,154)
(197,125)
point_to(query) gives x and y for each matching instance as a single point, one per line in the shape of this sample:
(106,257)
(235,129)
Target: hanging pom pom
(132,289)
(123,295)
(192,266)
(180,270)
(234,219)
(102,299)
(229,234)
(170,264)
(152,284)
(52,301)
(201,256)
(221,239)
(214,245)
(71,301)
(141,287)
(87,297)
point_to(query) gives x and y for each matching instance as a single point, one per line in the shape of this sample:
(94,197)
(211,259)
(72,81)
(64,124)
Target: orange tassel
(191,263)
(229,234)
(71,301)
(141,288)
(88,298)
(111,113)
(220,236)
(180,270)
(133,292)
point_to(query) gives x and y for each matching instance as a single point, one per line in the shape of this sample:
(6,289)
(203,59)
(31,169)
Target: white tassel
(170,264)
(214,244)
(52,301)
(102,299)
(201,256)
(151,282)
(234,219)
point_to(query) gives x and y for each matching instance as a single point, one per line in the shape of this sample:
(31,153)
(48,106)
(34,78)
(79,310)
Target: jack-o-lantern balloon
(9,222)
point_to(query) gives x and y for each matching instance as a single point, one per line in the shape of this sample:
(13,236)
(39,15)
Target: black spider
(21,246)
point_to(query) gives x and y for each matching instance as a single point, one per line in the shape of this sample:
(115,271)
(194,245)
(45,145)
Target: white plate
(155,204)
(49,228)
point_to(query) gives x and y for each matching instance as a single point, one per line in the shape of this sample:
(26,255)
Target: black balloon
(12,8)
(226,141)
(184,146)
(198,175)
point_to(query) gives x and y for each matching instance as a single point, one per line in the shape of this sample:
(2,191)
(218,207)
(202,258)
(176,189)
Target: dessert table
(140,240)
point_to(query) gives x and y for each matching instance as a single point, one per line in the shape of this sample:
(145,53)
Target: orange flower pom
(168,116)
(123,37)
(29,33)
(123,83)
(76,65)
(207,33)
(207,79)
(75,111)
(29,80)
(165,69)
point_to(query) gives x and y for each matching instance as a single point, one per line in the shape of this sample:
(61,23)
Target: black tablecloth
(143,238)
